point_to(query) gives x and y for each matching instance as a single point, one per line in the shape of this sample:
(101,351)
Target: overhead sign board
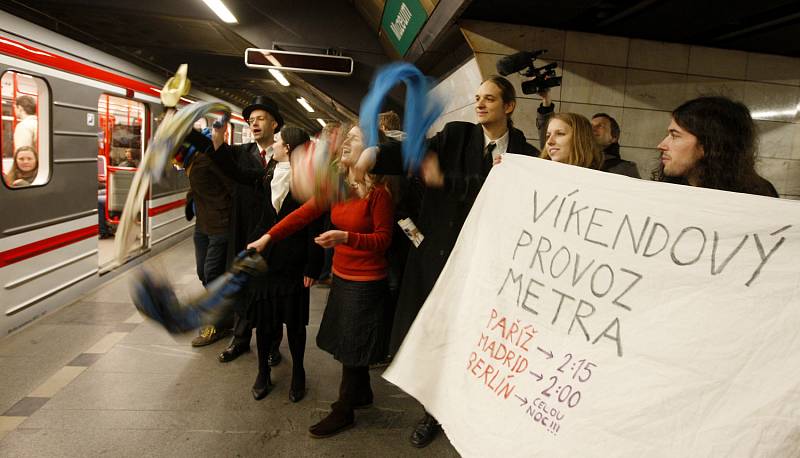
(298,62)
(402,21)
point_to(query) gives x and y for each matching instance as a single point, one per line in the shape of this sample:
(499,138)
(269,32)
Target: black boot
(297,391)
(425,431)
(262,385)
(362,394)
(297,348)
(341,416)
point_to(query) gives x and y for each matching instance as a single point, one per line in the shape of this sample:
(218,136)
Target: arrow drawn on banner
(538,377)
(546,352)
(524,400)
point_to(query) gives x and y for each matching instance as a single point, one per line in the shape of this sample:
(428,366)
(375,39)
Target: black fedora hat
(262,102)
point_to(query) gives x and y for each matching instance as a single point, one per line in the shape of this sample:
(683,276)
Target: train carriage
(90,110)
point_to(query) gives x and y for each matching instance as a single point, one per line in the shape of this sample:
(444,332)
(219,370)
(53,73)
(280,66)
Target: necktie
(488,160)
(263,155)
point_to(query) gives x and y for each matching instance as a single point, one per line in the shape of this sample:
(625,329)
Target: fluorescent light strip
(221,11)
(279,76)
(321,122)
(302,101)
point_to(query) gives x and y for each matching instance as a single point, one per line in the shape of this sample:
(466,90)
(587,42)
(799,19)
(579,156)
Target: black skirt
(270,304)
(352,328)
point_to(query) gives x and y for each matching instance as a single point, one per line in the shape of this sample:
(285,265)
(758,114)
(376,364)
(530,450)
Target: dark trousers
(210,253)
(354,389)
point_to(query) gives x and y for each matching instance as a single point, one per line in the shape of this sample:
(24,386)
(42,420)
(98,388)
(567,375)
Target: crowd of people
(380,277)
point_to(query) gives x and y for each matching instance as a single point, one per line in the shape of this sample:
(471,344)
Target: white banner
(589,314)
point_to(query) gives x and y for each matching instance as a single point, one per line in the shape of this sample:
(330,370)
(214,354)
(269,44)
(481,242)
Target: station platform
(96,379)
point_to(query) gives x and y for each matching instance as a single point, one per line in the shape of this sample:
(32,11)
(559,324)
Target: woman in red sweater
(352,324)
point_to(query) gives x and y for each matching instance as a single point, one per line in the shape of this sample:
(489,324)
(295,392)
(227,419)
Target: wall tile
(776,139)
(654,90)
(721,63)
(775,170)
(646,159)
(791,184)
(697,86)
(593,84)
(458,89)
(466,113)
(771,102)
(596,49)
(589,110)
(658,55)
(506,39)
(773,69)
(643,128)
(525,118)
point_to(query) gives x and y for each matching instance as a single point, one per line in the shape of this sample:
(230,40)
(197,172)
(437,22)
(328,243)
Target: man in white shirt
(26,131)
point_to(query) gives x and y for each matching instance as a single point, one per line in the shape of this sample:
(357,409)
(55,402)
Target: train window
(25,130)
(120,126)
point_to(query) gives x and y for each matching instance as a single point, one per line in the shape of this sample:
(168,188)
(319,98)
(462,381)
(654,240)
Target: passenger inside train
(24,168)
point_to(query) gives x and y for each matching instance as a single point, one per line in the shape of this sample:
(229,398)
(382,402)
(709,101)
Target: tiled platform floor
(94,379)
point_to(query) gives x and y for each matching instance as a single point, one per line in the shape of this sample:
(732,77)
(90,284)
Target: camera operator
(605,130)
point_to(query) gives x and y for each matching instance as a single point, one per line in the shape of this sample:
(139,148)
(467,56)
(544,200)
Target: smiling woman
(570,141)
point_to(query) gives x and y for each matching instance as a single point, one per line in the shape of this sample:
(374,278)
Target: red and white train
(91,111)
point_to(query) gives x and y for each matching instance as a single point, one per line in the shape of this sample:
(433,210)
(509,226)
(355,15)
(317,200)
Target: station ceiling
(160,35)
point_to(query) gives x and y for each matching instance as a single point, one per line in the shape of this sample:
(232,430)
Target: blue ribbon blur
(421,110)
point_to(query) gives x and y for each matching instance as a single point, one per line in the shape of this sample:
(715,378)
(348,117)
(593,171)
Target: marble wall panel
(791,179)
(594,84)
(773,69)
(507,39)
(659,55)
(643,128)
(698,86)
(771,102)
(776,139)
(589,110)
(592,48)
(722,63)
(458,88)
(654,90)
(776,171)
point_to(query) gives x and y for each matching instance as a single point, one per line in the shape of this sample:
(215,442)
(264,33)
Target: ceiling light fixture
(221,10)
(321,122)
(279,76)
(302,101)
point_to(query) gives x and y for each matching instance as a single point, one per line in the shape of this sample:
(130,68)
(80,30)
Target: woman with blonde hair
(570,141)
(352,327)
(24,168)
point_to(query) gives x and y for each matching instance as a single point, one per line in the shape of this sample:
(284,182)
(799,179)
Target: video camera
(522,62)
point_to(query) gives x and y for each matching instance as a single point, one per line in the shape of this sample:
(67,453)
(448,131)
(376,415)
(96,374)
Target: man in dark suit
(248,200)
(459,159)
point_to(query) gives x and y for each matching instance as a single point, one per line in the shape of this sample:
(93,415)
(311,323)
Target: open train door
(121,140)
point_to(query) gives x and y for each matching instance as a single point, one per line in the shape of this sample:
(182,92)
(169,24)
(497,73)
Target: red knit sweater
(368,223)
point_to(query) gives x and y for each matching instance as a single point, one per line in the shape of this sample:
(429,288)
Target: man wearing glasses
(248,164)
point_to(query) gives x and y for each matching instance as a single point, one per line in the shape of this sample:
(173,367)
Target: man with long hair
(711,143)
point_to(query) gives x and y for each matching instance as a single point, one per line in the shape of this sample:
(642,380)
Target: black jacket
(443,211)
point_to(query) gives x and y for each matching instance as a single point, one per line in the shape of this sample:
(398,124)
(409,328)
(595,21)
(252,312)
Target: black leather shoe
(425,431)
(297,390)
(232,352)
(274,358)
(336,421)
(261,388)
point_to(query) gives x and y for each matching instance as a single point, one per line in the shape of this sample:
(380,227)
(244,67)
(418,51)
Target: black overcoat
(459,147)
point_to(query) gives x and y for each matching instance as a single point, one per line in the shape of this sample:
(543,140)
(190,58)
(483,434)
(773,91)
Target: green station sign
(402,21)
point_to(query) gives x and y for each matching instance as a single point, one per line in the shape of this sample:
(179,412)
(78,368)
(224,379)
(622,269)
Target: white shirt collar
(501,143)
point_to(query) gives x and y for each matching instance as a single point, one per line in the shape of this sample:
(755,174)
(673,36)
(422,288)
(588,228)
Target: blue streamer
(421,110)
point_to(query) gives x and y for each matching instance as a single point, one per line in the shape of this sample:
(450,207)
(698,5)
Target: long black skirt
(353,325)
(271,304)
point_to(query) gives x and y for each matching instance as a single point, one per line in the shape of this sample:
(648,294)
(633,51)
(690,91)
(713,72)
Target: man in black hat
(254,159)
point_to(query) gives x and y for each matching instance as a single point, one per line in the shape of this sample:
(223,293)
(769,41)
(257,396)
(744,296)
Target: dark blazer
(288,260)
(443,211)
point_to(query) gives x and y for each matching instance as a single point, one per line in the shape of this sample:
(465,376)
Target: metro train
(90,111)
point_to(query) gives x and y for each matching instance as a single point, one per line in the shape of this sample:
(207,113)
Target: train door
(121,135)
